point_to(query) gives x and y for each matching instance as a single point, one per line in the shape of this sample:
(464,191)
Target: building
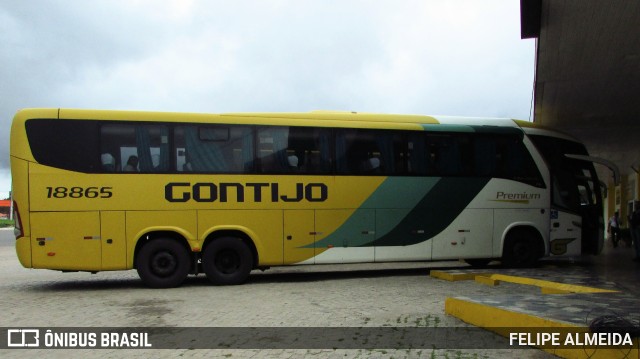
(5,208)
(588,82)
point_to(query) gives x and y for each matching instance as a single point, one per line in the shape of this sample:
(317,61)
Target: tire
(521,249)
(163,263)
(227,261)
(478,262)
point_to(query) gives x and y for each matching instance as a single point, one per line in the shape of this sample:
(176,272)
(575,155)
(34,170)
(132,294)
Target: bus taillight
(18,222)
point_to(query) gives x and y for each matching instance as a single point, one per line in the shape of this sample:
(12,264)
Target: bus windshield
(575,187)
(574,182)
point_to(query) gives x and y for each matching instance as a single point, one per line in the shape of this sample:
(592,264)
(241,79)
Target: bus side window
(486,156)
(66,144)
(363,152)
(444,154)
(351,152)
(504,156)
(213,148)
(148,143)
(273,143)
(294,150)
(391,154)
(108,162)
(312,148)
(517,163)
(417,156)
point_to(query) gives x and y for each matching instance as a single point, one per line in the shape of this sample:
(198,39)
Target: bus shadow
(266,277)
(294,276)
(566,266)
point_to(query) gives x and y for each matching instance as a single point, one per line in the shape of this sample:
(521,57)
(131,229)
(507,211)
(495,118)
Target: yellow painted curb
(485,316)
(546,287)
(487,281)
(454,277)
(545,290)
(549,287)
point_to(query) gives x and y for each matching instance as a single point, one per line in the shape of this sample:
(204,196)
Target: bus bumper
(23,249)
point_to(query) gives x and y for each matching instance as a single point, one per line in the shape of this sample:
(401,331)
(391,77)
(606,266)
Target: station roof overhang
(587,80)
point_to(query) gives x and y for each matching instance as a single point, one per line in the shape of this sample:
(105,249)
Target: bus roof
(312,115)
(326,118)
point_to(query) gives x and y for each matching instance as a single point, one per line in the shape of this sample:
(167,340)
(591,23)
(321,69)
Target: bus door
(591,210)
(576,212)
(591,198)
(66,240)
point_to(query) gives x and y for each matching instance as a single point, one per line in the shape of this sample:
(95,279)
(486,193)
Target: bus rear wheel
(521,249)
(163,263)
(227,261)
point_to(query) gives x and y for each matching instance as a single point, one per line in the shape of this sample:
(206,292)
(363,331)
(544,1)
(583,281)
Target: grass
(4,223)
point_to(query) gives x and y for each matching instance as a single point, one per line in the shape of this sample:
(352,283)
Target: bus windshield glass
(574,182)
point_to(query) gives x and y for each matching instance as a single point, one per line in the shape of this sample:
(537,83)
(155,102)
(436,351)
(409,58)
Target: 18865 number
(79,192)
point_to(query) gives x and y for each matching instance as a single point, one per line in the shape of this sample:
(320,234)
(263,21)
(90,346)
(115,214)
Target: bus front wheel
(227,261)
(163,263)
(521,249)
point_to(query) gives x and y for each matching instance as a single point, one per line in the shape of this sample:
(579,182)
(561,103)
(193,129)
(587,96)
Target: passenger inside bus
(132,164)
(108,162)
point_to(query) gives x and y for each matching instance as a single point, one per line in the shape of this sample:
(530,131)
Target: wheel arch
(241,234)
(524,227)
(155,234)
(523,247)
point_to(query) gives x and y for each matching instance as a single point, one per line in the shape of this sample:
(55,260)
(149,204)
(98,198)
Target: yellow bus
(173,194)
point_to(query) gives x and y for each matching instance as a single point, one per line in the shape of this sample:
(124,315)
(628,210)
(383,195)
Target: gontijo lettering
(244,192)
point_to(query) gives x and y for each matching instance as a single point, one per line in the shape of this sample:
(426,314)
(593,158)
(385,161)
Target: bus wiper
(612,166)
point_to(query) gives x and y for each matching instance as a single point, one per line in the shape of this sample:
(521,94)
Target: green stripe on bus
(395,193)
(448,128)
(434,213)
(409,211)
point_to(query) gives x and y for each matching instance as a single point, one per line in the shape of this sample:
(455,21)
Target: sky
(430,57)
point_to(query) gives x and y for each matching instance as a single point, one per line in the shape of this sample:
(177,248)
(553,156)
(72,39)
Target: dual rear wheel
(166,262)
(227,261)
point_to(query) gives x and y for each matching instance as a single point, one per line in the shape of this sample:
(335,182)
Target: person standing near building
(614,229)
(634,228)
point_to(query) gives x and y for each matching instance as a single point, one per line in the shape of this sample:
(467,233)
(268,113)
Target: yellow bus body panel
(23,250)
(140,223)
(66,240)
(143,198)
(114,240)
(20,194)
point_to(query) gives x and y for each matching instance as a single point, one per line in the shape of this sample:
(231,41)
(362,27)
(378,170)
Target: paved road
(324,296)
(6,237)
